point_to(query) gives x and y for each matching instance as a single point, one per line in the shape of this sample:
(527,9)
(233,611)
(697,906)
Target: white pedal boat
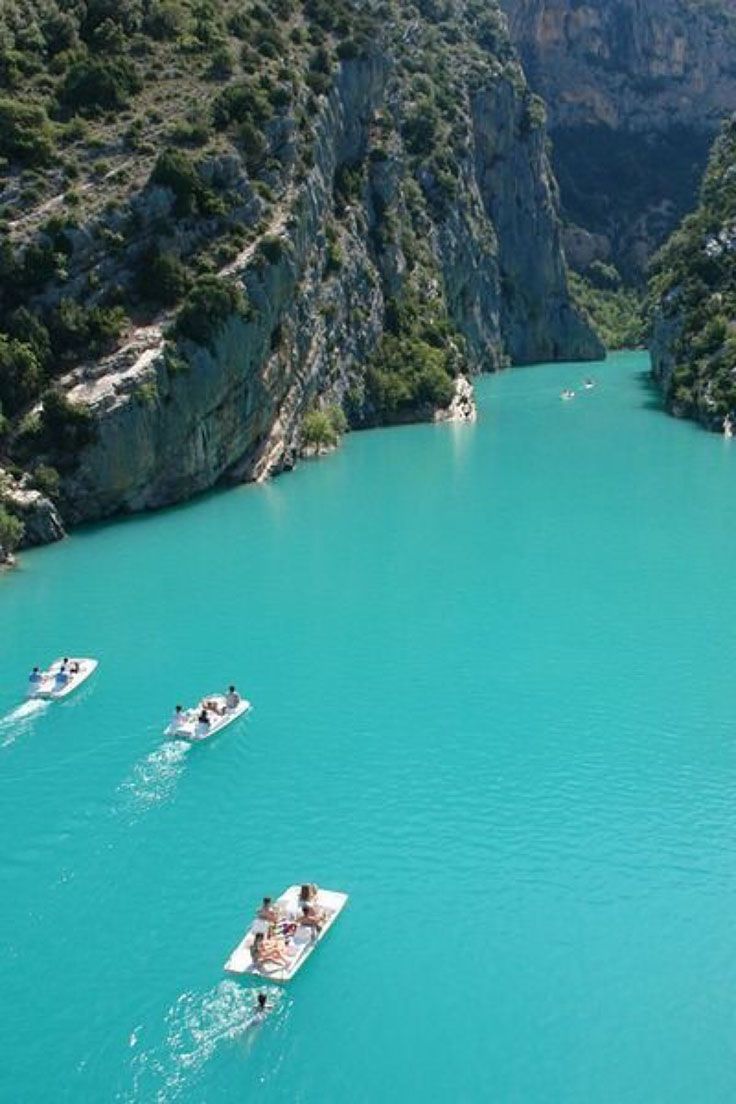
(78,668)
(299,946)
(190,728)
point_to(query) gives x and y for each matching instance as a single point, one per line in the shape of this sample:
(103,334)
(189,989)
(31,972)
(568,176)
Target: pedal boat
(190,728)
(49,689)
(299,946)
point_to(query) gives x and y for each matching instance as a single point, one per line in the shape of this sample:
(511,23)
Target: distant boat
(567,394)
(62,678)
(589,384)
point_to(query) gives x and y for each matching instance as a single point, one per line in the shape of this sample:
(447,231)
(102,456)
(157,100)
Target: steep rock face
(234,411)
(516,187)
(409,237)
(693,290)
(635,92)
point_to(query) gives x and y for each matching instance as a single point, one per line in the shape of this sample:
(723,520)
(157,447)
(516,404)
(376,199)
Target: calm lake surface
(493,677)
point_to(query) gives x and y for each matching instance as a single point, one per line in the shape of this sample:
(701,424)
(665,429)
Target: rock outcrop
(635,93)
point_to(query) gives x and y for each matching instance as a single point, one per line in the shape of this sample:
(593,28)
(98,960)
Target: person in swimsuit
(232,698)
(308,893)
(35,678)
(268,912)
(265,950)
(310,918)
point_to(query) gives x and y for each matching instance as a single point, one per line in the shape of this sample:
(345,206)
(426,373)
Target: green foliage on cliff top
(694,286)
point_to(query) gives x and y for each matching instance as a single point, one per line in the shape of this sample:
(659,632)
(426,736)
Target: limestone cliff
(636,92)
(398,232)
(693,292)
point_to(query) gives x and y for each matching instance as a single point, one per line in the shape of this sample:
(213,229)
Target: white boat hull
(48,688)
(240,962)
(191,729)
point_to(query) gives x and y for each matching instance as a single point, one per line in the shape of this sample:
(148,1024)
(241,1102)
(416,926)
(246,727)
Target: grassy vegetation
(694,285)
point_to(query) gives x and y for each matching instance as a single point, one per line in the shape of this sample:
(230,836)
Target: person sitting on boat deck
(215,707)
(204,718)
(62,676)
(35,677)
(264,950)
(308,893)
(310,918)
(74,667)
(232,698)
(268,912)
(178,717)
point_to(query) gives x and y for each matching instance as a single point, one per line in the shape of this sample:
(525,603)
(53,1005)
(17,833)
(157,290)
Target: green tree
(11,532)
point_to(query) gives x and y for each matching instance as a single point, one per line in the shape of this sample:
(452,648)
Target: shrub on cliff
(46,480)
(64,426)
(408,373)
(209,304)
(323,428)
(25,133)
(11,532)
(92,85)
(175,170)
(162,279)
(20,375)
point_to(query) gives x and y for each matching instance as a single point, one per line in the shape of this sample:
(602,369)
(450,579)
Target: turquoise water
(492,670)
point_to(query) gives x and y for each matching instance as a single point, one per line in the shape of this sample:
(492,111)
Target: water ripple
(196,1026)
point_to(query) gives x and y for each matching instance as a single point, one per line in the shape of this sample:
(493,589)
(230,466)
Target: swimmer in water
(261,999)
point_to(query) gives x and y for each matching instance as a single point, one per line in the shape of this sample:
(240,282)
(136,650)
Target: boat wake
(154,778)
(20,720)
(195,1027)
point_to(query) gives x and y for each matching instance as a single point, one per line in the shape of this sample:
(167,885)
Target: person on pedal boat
(62,676)
(232,698)
(215,707)
(268,950)
(35,678)
(74,667)
(204,719)
(177,717)
(311,918)
(308,893)
(268,912)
